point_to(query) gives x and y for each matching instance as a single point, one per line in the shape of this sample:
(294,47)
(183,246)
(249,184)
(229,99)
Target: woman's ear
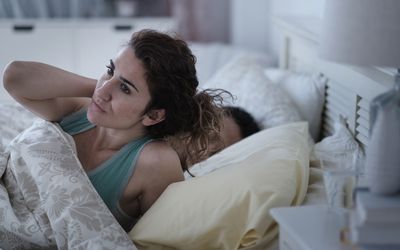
(154,116)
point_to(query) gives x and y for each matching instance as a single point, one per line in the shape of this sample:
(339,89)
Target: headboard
(349,90)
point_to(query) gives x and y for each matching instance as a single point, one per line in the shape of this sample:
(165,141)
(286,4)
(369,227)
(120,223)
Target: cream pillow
(245,79)
(229,208)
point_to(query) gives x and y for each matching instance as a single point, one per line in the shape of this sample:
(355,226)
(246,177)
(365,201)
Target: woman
(147,93)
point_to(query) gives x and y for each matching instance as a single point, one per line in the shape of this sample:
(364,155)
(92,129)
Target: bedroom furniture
(298,232)
(368,33)
(83,46)
(376,220)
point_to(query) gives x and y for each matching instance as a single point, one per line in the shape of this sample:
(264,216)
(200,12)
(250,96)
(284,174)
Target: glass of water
(340,177)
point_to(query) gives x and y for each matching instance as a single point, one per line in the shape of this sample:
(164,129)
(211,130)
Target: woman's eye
(124,87)
(110,70)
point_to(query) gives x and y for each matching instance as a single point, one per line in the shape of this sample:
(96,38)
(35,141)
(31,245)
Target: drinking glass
(340,176)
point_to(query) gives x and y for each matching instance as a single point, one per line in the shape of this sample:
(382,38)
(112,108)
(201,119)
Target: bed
(301,104)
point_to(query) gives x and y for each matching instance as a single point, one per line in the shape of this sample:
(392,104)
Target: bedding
(306,91)
(13,119)
(210,57)
(227,207)
(340,147)
(46,199)
(244,78)
(341,144)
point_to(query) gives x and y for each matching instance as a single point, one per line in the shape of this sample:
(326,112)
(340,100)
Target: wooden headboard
(349,90)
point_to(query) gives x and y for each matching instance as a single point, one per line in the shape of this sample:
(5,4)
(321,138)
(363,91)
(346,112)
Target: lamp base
(382,166)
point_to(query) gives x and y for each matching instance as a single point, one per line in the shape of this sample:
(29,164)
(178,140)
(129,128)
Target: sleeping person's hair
(243,119)
(237,124)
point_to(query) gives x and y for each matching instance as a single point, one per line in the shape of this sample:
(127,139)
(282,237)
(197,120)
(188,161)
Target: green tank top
(112,176)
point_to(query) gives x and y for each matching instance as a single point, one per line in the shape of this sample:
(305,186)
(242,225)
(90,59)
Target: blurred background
(82,35)
(242,22)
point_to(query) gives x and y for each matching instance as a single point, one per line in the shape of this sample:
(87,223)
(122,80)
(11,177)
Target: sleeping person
(237,124)
(118,122)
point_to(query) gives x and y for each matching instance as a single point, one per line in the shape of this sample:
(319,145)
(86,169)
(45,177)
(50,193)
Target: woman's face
(121,93)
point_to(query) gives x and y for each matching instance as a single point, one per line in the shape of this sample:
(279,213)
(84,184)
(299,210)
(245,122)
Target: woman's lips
(98,107)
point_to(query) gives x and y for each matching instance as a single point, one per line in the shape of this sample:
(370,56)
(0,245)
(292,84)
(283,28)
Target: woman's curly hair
(192,117)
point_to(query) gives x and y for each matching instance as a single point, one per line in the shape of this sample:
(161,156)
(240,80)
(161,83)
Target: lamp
(367,32)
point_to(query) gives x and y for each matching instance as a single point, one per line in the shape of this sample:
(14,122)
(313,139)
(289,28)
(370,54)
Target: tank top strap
(76,122)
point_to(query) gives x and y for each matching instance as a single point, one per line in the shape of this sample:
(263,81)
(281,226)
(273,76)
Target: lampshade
(362,32)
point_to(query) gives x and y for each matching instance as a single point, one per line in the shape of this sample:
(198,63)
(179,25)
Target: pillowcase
(229,207)
(307,92)
(341,145)
(244,78)
(210,57)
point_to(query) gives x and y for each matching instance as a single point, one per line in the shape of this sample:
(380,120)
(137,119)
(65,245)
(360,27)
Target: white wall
(251,20)
(250,23)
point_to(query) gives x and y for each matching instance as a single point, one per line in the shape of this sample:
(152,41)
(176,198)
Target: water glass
(339,180)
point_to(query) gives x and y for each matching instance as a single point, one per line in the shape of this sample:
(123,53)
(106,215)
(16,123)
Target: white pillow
(244,78)
(229,208)
(340,145)
(307,91)
(210,57)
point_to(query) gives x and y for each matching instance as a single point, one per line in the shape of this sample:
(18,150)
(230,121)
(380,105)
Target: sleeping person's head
(237,124)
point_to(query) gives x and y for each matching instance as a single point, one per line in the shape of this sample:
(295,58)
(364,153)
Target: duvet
(46,199)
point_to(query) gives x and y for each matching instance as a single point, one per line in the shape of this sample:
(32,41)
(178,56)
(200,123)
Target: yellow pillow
(229,208)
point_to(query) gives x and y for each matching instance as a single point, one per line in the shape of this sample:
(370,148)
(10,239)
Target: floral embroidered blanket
(46,198)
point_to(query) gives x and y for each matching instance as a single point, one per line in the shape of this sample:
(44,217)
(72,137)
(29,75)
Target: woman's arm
(157,167)
(48,91)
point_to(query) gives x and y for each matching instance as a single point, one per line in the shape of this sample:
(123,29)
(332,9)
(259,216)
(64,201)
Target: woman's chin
(92,117)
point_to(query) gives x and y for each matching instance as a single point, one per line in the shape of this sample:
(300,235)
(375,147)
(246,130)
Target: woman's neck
(114,139)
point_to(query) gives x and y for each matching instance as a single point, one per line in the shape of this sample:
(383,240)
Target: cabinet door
(97,43)
(95,46)
(35,43)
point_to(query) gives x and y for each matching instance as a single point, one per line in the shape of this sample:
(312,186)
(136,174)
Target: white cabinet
(98,42)
(32,42)
(81,46)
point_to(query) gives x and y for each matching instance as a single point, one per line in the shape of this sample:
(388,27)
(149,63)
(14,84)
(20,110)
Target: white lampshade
(362,32)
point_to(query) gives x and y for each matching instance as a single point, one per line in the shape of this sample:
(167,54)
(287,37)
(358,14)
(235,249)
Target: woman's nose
(105,91)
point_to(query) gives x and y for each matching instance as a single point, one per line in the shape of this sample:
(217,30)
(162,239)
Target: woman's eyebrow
(122,78)
(112,64)
(128,82)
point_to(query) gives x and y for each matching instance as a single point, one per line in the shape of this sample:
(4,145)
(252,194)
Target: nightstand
(310,227)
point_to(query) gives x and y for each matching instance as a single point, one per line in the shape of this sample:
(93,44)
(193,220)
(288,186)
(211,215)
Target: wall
(204,20)
(251,20)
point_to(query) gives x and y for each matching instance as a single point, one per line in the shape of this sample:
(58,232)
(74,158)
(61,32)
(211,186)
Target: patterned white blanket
(47,200)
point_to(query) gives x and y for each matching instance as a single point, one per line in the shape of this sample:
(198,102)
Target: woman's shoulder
(159,154)
(158,166)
